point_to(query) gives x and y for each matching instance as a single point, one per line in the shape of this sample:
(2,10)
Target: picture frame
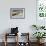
(17,13)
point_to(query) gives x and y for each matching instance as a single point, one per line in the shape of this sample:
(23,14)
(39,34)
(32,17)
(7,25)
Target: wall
(23,24)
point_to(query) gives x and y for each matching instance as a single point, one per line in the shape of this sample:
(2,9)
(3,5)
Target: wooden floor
(13,44)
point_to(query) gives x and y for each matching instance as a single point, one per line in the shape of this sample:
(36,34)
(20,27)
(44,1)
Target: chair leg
(17,39)
(5,40)
(5,43)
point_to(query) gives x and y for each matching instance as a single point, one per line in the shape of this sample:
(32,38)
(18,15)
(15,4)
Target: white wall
(23,24)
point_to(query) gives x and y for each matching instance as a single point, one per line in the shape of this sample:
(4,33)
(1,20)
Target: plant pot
(40,41)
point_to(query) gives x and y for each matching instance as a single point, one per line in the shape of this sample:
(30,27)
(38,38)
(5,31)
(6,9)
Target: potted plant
(39,35)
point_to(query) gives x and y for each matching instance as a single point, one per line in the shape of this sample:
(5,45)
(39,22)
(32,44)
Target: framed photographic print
(17,13)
